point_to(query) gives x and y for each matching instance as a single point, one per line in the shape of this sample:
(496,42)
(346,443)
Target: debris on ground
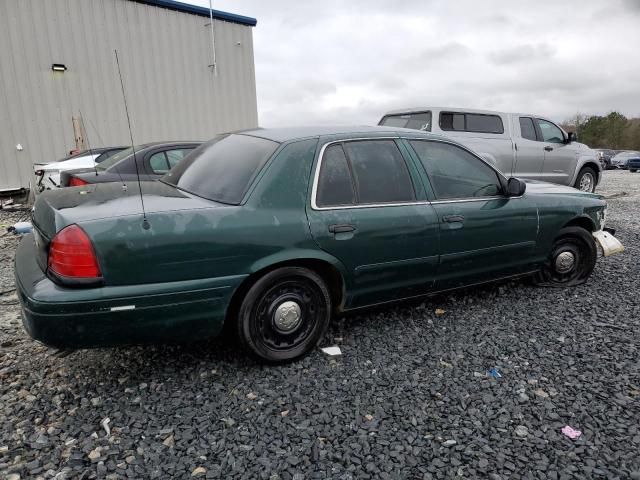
(494,373)
(332,351)
(571,432)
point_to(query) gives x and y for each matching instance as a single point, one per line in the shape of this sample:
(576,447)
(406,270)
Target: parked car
(524,145)
(633,163)
(605,156)
(621,159)
(153,161)
(48,174)
(273,231)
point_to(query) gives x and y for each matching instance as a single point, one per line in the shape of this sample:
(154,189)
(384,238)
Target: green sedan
(273,231)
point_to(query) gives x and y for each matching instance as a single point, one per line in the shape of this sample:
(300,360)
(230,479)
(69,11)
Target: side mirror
(572,137)
(515,187)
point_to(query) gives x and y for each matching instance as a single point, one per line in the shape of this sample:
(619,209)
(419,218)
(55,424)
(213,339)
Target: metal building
(57,62)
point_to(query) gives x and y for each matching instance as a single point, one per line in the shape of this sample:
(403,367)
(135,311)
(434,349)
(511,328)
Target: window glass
(454,172)
(415,121)
(381,176)
(527,129)
(117,157)
(223,168)
(452,121)
(334,183)
(158,163)
(174,156)
(483,123)
(550,133)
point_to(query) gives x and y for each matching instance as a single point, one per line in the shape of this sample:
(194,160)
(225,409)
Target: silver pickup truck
(520,145)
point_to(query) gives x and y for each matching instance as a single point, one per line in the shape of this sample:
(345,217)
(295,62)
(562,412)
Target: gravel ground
(409,398)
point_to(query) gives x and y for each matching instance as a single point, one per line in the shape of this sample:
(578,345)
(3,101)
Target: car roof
(285,134)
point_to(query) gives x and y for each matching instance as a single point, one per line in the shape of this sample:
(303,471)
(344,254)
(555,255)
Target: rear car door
(368,209)
(560,158)
(483,233)
(529,150)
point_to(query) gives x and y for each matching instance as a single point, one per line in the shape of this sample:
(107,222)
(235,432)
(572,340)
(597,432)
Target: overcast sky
(326,62)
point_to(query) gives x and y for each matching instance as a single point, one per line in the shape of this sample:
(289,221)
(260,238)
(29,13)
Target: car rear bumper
(118,315)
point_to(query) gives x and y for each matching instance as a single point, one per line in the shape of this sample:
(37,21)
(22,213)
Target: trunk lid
(55,209)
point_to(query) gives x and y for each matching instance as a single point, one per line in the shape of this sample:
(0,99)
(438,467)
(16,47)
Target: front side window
(415,121)
(223,168)
(527,130)
(471,122)
(363,172)
(550,133)
(455,173)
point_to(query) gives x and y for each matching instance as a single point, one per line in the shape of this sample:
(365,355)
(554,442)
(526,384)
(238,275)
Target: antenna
(145,222)
(86,136)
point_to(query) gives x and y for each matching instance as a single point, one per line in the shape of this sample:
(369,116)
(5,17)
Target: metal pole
(213,39)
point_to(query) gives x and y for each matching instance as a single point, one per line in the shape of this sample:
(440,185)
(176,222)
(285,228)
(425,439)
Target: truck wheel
(571,260)
(284,315)
(586,181)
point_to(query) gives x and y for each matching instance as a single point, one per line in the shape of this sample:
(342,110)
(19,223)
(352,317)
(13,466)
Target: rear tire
(284,315)
(571,260)
(633,170)
(586,181)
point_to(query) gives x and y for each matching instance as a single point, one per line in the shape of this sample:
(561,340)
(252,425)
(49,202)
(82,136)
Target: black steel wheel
(284,314)
(571,260)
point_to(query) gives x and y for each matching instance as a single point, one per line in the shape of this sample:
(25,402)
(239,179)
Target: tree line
(614,131)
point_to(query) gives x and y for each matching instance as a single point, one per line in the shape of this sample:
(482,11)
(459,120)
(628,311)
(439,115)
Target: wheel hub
(565,262)
(586,182)
(287,316)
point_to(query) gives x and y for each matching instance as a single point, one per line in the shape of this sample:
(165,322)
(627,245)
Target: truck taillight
(77,182)
(71,255)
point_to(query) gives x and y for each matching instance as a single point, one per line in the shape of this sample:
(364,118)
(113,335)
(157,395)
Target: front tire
(571,260)
(284,315)
(633,170)
(586,181)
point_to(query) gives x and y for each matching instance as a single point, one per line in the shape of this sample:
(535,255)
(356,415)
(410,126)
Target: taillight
(39,173)
(77,182)
(71,255)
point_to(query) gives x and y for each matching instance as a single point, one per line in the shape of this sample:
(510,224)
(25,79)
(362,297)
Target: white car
(520,145)
(622,159)
(48,174)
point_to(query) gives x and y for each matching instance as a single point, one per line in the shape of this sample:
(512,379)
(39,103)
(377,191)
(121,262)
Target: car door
(368,209)
(484,234)
(529,150)
(560,158)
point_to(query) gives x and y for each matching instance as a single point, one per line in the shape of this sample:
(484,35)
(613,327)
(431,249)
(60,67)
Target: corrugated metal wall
(164,57)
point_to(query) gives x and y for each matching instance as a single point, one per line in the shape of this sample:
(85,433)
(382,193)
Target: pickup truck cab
(520,145)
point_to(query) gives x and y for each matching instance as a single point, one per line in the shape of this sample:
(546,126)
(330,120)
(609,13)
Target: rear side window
(415,121)
(174,156)
(158,163)
(454,172)
(380,172)
(335,187)
(223,168)
(363,172)
(527,129)
(471,122)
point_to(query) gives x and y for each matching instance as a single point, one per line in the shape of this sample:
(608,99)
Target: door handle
(342,228)
(453,219)
(548,148)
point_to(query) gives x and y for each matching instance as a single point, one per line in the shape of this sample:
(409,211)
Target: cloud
(350,62)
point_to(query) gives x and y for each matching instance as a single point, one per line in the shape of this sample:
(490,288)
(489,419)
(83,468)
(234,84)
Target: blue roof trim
(202,11)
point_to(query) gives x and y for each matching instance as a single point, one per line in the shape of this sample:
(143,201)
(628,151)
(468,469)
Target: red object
(71,254)
(77,182)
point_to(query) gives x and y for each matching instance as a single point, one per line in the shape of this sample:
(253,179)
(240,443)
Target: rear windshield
(415,121)
(223,168)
